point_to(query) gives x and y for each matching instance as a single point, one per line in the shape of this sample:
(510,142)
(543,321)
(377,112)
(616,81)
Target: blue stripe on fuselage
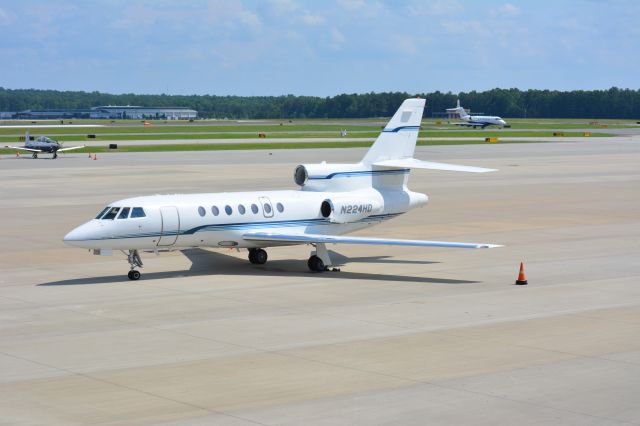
(361,173)
(246,226)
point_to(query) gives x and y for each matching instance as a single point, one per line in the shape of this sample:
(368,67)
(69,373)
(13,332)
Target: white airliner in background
(334,199)
(476,120)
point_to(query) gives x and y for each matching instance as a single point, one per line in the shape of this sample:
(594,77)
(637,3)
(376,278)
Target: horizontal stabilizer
(412,163)
(337,239)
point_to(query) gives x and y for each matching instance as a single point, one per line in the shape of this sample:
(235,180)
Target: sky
(318,48)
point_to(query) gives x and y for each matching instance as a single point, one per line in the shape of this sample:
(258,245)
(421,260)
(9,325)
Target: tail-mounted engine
(332,177)
(350,209)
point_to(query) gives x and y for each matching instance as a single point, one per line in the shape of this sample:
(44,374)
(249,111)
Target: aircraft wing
(70,148)
(340,239)
(23,148)
(412,163)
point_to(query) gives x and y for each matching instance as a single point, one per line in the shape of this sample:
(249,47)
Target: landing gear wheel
(34,155)
(257,256)
(316,264)
(134,275)
(55,155)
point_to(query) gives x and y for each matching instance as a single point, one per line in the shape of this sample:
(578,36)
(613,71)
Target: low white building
(141,113)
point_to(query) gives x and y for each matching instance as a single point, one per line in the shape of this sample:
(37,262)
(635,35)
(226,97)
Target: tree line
(510,103)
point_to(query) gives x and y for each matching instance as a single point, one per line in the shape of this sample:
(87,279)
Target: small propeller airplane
(42,144)
(333,200)
(476,121)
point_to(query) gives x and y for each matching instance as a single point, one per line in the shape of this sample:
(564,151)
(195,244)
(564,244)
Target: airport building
(109,112)
(138,112)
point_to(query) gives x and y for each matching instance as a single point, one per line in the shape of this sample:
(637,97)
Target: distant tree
(611,103)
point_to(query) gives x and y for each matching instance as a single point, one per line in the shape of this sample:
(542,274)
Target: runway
(400,336)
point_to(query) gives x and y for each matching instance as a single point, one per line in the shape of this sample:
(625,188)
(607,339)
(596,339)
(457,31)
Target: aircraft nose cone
(73,237)
(79,237)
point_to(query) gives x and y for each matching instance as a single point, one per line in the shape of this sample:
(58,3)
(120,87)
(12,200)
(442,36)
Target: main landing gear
(34,155)
(134,261)
(55,155)
(316,264)
(320,260)
(257,256)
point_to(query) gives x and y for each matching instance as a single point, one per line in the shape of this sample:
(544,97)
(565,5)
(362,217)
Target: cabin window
(124,213)
(254,209)
(280,207)
(111,214)
(241,209)
(137,212)
(228,209)
(201,211)
(267,208)
(215,211)
(102,212)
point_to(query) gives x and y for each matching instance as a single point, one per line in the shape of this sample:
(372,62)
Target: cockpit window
(102,212)
(111,214)
(124,213)
(137,212)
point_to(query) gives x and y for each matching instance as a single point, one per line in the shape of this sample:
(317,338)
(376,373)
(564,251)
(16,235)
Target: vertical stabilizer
(462,113)
(398,139)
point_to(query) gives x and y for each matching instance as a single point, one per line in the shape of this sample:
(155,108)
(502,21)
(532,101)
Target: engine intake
(352,209)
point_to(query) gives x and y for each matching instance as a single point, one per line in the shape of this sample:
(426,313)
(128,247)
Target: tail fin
(462,113)
(398,139)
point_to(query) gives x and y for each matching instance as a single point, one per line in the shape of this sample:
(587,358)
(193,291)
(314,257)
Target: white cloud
(358,9)
(311,19)
(404,44)
(284,7)
(4,17)
(337,37)
(435,7)
(231,13)
(352,4)
(508,9)
(470,28)
(136,15)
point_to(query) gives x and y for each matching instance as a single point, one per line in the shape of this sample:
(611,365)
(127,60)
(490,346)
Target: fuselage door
(267,208)
(170,226)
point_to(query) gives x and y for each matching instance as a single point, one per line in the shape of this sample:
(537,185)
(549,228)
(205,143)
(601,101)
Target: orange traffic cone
(95,156)
(522,279)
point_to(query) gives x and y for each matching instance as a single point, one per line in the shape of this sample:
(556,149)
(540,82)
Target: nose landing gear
(134,261)
(134,275)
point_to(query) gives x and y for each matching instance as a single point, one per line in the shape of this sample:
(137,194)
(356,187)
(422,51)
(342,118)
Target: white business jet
(476,120)
(334,199)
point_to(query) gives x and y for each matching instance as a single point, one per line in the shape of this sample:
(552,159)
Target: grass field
(324,135)
(328,130)
(283,126)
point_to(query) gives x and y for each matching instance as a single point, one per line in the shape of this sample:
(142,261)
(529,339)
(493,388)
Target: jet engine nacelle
(350,209)
(332,177)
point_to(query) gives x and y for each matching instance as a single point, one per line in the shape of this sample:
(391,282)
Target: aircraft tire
(260,257)
(316,264)
(134,275)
